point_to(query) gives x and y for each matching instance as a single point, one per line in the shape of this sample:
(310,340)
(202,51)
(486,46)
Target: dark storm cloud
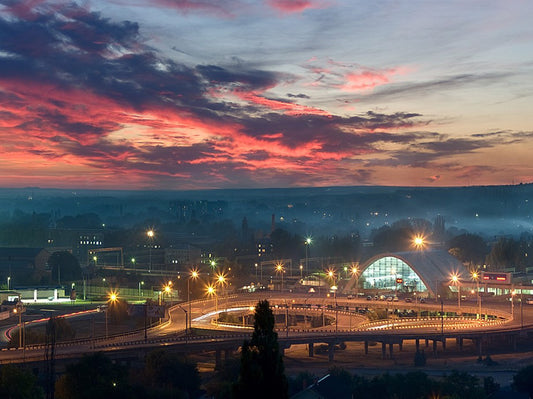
(105,69)
(304,96)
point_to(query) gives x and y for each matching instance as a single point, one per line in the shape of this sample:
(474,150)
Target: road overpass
(497,324)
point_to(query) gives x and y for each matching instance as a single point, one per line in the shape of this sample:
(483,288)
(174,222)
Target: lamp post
(150,233)
(280,269)
(513,293)
(110,302)
(521,307)
(140,283)
(441,316)
(168,291)
(455,280)
(419,242)
(8,282)
(211,291)
(308,242)
(475,277)
(331,275)
(194,275)
(222,280)
(19,308)
(301,271)
(355,273)
(133,263)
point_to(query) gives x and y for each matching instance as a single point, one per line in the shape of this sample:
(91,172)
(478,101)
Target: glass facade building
(392,274)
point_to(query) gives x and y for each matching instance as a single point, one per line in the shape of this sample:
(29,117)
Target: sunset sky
(200,94)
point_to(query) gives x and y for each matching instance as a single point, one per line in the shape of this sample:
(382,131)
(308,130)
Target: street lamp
(455,280)
(140,283)
(8,282)
(475,277)
(301,271)
(280,269)
(150,233)
(113,297)
(211,291)
(513,293)
(194,275)
(419,242)
(355,273)
(168,291)
(308,242)
(133,263)
(222,281)
(19,308)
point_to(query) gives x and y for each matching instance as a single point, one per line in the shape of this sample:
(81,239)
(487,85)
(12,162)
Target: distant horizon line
(261,188)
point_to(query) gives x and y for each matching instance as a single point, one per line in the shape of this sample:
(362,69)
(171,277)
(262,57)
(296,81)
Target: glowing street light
(194,275)
(168,290)
(476,277)
(150,233)
(280,269)
(140,283)
(355,273)
(112,298)
(211,291)
(419,242)
(307,242)
(456,282)
(222,280)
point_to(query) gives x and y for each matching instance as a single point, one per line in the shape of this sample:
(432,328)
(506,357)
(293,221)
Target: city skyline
(208,94)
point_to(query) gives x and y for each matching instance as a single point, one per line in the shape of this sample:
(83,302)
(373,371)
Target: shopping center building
(426,272)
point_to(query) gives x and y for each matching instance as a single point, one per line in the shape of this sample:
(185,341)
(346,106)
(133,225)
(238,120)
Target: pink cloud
(294,6)
(217,7)
(367,80)
(277,105)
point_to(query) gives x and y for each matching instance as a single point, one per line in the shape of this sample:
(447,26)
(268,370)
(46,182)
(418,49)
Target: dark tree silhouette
(470,248)
(94,376)
(262,370)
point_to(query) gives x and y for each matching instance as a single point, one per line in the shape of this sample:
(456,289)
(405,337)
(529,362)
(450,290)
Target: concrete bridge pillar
(435,347)
(479,344)
(391,350)
(417,344)
(427,343)
(400,345)
(311,347)
(366,347)
(443,344)
(331,352)
(383,350)
(218,360)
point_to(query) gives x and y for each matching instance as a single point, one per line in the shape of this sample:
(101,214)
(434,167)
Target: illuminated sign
(501,278)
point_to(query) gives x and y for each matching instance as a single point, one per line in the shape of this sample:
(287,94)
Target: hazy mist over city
(487,211)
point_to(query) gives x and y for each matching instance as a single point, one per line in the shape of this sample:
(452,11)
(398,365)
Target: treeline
(162,375)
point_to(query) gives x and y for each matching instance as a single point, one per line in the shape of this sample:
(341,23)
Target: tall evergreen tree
(262,370)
